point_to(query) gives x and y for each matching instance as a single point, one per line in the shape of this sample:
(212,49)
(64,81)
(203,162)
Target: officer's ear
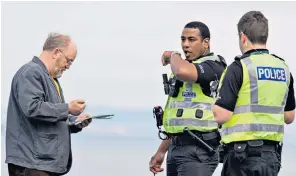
(243,39)
(206,43)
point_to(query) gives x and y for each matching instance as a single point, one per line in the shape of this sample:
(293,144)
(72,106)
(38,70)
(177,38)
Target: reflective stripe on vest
(214,58)
(252,127)
(192,122)
(256,108)
(190,105)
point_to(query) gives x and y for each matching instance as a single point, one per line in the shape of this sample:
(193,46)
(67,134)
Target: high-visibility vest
(259,110)
(190,98)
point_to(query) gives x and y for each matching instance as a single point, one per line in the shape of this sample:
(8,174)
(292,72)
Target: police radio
(166,84)
(172,86)
(158,115)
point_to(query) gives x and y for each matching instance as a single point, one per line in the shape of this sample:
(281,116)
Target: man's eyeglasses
(69,62)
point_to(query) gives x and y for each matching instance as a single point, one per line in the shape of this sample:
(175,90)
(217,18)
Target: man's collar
(255,51)
(40,63)
(210,54)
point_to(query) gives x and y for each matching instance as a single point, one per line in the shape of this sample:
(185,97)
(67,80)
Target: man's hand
(165,58)
(85,123)
(156,162)
(76,106)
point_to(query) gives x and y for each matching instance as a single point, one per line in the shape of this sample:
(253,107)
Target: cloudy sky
(118,64)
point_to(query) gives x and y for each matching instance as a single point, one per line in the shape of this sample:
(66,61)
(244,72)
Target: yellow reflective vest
(190,99)
(259,110)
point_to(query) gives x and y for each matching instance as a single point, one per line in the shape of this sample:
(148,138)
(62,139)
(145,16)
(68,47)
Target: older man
(38,138)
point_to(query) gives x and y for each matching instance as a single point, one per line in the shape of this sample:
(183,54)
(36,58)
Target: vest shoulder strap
(208,58)
(222,60)
(278,57)
(240,57)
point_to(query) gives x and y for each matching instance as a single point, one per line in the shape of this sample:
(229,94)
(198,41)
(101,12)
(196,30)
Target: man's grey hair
(56,40)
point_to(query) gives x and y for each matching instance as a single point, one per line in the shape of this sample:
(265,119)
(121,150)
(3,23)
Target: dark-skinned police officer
(189,106)
(255,98)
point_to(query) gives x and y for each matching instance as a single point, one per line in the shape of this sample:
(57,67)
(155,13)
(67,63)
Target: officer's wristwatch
(175,52)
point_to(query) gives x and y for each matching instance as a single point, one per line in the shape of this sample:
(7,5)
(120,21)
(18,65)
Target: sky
(118,68)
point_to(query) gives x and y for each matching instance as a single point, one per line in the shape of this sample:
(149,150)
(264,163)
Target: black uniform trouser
(187,157)
(14,170)
(244,160)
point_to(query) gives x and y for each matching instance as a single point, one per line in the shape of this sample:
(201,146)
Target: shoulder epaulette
(222,60)
(238,58)
(277,57)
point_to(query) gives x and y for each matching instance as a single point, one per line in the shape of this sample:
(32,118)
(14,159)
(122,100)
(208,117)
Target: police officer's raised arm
(228,93)
(290,104)
(182,69)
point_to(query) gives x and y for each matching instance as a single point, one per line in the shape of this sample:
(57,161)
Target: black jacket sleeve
(208,71)
(290,104)
(231,85)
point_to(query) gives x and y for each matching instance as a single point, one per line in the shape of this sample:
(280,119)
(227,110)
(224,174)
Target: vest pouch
(255,148)
(240,151)
(173,92)
(179,113)
(175,86)
(199,113)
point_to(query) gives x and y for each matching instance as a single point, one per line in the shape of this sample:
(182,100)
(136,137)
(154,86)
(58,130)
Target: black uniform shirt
(208,71)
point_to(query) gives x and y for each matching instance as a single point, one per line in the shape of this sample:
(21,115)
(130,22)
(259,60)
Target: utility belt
(211,138)
(253,148)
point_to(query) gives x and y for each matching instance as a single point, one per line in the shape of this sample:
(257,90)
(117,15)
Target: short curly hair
(255,26)
(203,29)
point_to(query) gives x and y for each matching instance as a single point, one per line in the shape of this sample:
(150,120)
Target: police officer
(189,106)
(255,98)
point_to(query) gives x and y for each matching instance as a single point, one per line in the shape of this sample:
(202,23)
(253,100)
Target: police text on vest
(189,94)
(271,74)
